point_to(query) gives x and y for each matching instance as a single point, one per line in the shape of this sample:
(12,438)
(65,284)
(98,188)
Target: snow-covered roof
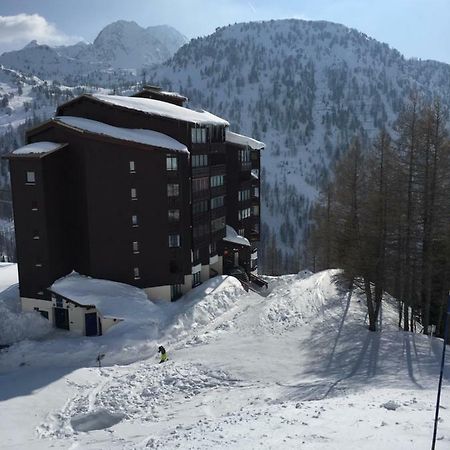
(233,236)
(164,109)
(38,148)
(240,139)
(112,299)
(146,137)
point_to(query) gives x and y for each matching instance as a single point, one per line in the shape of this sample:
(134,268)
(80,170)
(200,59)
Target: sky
(417,28)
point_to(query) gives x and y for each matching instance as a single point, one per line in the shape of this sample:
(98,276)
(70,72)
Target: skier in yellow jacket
(163,352)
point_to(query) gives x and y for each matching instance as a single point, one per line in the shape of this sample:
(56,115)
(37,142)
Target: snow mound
(204,304)
(297,299)
(16,326)
(96,420)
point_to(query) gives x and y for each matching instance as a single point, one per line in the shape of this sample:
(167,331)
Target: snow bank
(15,325)
(204,304)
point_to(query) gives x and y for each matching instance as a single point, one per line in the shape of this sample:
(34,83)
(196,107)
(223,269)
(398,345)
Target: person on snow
(163,352)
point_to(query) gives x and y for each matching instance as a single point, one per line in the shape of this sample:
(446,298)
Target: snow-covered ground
(296,369)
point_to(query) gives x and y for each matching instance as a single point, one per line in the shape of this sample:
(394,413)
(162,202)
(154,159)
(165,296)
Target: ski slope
(296,369)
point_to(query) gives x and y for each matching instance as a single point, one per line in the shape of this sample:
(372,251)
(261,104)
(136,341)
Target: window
(198,135)
(244,155)
(217,202)
(31,177)
(175,292)
(256,192)
(217,134)
(171,163)
(174,215)
(255,210)
(217,224)
(132,167)
(174,240)
(217,180)
(213,248)
(244,213)
(200,230)
(134,220)
(199,160)
(241,232)
(136,273)
(244,195)
(200,184)
(196,279)
(133,194)
(135,247)
(196,255)
(173,190)
(34,205)
(35,234)
(200,207)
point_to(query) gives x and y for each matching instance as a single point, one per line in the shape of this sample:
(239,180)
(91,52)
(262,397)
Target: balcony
(246,166)
(218,190)
(218,169)
(198,172)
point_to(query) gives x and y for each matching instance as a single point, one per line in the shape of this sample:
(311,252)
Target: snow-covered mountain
(305,89)
(120,47)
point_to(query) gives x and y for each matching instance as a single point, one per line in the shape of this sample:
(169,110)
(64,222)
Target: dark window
(200,207)
(200,230)
(34,205)
(173,190)
(136,273)
(134,220)
(217,180)
(198,135)
(200,184)
(213,248)
(196,279)
(217,224)
(244,155)
(135,247)
(31,177)
(36,234)
(244,195)
(175,292)
(174,215)
(244,213)
(196,255)
(174,240)
(133,194)
(171,163)
(199,160)
(217,202)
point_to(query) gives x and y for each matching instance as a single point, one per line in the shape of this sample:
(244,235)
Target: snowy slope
(297,369)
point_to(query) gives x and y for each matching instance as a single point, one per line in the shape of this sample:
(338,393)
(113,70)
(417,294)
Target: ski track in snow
(296,369)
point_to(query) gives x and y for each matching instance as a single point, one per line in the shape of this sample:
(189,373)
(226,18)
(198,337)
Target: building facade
(139,190)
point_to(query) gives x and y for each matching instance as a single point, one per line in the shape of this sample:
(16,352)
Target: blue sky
(418,28)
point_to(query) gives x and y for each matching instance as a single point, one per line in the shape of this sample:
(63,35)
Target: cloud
(16,31)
